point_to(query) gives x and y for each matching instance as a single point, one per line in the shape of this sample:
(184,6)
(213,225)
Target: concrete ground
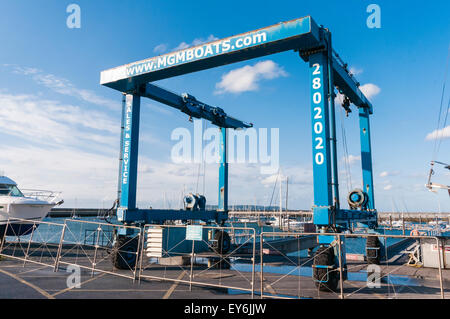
(36,282)
(33,281)
(281,277)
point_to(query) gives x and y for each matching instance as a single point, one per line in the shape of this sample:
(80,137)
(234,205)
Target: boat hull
(14,214)
(16,229)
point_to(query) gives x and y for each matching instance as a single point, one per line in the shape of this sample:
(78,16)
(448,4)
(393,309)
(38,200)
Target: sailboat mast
(281,201)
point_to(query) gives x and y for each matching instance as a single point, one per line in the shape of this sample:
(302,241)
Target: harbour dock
(42,265)
(40,281)
(382,216)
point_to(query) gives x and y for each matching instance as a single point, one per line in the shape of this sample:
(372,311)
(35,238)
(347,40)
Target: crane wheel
(326,279)
(2,235)
(373,250)
(222,242)
(124,254)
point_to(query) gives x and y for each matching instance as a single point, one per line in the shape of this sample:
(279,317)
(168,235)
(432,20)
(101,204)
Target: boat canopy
(9,188)
(7,181)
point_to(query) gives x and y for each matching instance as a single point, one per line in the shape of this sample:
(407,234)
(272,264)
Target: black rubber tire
(324,256)
(222,243)
(373,255)
(2,234)
(124,253)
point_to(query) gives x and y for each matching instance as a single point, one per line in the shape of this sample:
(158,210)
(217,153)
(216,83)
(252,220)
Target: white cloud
(437,134)
(64,86)
(247,78)
(387,187)
(295,174)
(352,159)
(355,71)
(197,41)
(160,48)
(183,45)
(83,178)
(370,90)
(210,38)
(270,180)
(50,122)
(24,70)
(386,173)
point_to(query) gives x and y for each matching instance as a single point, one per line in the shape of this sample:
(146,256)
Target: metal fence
(90,245)
(31,241)
(200,262)
(383,275)
(86,244)
(275,265)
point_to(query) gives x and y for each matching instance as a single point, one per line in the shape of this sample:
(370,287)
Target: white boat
(19,207)
(397,224)
(286,222)
(248,220)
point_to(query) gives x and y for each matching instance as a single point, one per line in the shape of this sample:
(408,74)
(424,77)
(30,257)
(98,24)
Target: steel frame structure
(327,72)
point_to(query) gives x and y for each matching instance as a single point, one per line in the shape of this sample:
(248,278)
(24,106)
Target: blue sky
(60,127)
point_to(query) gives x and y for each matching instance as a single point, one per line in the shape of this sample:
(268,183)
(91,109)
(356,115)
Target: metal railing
(200,262)
(293,280)
(105,240)
(31,241)
(44,195)
(284,271)
(92,255)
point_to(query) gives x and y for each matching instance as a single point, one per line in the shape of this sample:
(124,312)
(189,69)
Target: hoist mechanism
(215,115)
(195,202)
(189,105)
(357,199)
(346,105)
(327,73)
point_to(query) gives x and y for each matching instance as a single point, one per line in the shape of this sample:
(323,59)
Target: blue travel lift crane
(124,256)
(327,72)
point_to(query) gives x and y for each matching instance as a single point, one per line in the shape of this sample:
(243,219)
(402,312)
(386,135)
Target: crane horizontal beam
(188,104)
(161,215)
(302,33)
(349,87)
